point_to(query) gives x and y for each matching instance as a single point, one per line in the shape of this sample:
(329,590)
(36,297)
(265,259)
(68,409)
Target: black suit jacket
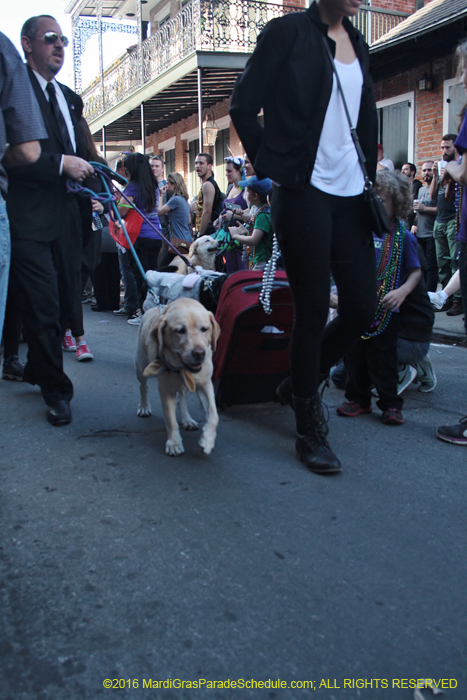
(289,76)
(39,205)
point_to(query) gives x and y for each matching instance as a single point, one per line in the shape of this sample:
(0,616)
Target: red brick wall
(398,5)
(428,103)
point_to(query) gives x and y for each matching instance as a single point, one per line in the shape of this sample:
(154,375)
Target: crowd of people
(310,195)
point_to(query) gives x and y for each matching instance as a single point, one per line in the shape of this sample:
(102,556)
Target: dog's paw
(174,448)
(143,411)
(189,424)
(207,445)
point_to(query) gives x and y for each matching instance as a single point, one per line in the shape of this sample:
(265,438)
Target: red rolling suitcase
(252,355)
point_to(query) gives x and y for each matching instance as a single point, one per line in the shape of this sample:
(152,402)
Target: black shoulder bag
(379,218)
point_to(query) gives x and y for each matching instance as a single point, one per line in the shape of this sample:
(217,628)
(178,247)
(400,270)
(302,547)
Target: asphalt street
(121,564)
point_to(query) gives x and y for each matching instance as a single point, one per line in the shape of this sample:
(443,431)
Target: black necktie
(60,121)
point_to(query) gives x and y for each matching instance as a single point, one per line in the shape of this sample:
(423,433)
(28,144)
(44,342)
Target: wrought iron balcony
(204,25)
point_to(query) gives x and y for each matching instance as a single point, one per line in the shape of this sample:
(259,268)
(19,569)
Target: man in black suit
(46,220)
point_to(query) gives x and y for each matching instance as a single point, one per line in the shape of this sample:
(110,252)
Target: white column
(200,108)
(101,53)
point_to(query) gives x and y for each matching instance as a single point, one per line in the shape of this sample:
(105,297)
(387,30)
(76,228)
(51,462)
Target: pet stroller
(252,355)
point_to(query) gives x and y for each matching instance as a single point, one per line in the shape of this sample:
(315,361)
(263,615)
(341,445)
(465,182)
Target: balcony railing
(204,25)
(373,22)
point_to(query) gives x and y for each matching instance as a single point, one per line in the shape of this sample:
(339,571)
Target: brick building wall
(428,103)
(397,5)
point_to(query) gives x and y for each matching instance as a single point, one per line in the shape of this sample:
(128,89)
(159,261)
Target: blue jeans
(5,251)
(410,352)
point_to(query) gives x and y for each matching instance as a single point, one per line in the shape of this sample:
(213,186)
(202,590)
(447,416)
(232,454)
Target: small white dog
(176,345)
(202,252)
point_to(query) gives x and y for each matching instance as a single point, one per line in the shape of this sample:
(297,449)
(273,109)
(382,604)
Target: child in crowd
(259,235)
(373,359)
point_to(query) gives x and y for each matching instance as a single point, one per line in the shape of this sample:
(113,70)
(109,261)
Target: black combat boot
(312,446)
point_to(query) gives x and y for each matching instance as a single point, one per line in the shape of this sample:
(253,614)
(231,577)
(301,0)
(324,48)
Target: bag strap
(353,130)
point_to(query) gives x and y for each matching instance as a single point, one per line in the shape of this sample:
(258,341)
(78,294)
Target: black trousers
(148,250)
(431,272)
(318,234)
(43,279)
(374,362)
(106,282)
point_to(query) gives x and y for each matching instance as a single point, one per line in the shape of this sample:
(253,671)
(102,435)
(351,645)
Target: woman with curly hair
(372,361)
(177,210)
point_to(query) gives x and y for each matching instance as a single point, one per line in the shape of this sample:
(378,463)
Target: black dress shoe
(59,413)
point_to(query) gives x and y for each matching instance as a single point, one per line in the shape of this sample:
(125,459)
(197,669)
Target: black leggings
(148,250)
(318,234)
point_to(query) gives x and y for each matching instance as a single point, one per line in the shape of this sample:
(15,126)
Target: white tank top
(337,170)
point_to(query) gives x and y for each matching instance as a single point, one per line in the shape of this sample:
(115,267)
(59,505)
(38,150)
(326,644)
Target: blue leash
(106,176)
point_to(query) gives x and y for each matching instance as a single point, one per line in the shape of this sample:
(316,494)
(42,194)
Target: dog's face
(205,250)
(186,334)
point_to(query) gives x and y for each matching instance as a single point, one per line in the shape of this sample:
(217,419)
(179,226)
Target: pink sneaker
(68,342)
(83,353)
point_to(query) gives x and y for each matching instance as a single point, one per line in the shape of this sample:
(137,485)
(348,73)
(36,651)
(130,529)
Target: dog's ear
(194,247)
(157,333)
(153,369)
(215,331)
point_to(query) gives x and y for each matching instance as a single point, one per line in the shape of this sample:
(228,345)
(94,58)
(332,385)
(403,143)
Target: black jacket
(289,76)
(38,202)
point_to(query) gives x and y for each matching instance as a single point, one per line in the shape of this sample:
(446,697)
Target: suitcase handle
(259,285)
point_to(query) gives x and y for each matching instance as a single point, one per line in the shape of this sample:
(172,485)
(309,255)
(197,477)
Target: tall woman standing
(318,207)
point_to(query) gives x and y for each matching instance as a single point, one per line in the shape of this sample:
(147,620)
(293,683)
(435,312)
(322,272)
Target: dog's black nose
(198,354)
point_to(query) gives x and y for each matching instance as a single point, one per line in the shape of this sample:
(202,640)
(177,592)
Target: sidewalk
(449,329)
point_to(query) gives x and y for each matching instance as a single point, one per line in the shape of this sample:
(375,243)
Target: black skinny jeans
(431,270)
(148,250)
(318,234)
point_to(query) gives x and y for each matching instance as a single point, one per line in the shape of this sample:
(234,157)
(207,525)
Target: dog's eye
(180,330)
(203,329)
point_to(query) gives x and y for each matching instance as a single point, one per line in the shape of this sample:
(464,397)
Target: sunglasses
(53,37)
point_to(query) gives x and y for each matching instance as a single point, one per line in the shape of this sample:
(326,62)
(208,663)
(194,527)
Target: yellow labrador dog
(202,252)
(176,346)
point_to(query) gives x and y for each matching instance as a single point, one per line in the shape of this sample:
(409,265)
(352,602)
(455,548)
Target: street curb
(449,337)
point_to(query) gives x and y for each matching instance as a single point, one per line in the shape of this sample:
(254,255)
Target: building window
(193,179)
(454,101)
(169,161)
(396,128)
(222,151)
